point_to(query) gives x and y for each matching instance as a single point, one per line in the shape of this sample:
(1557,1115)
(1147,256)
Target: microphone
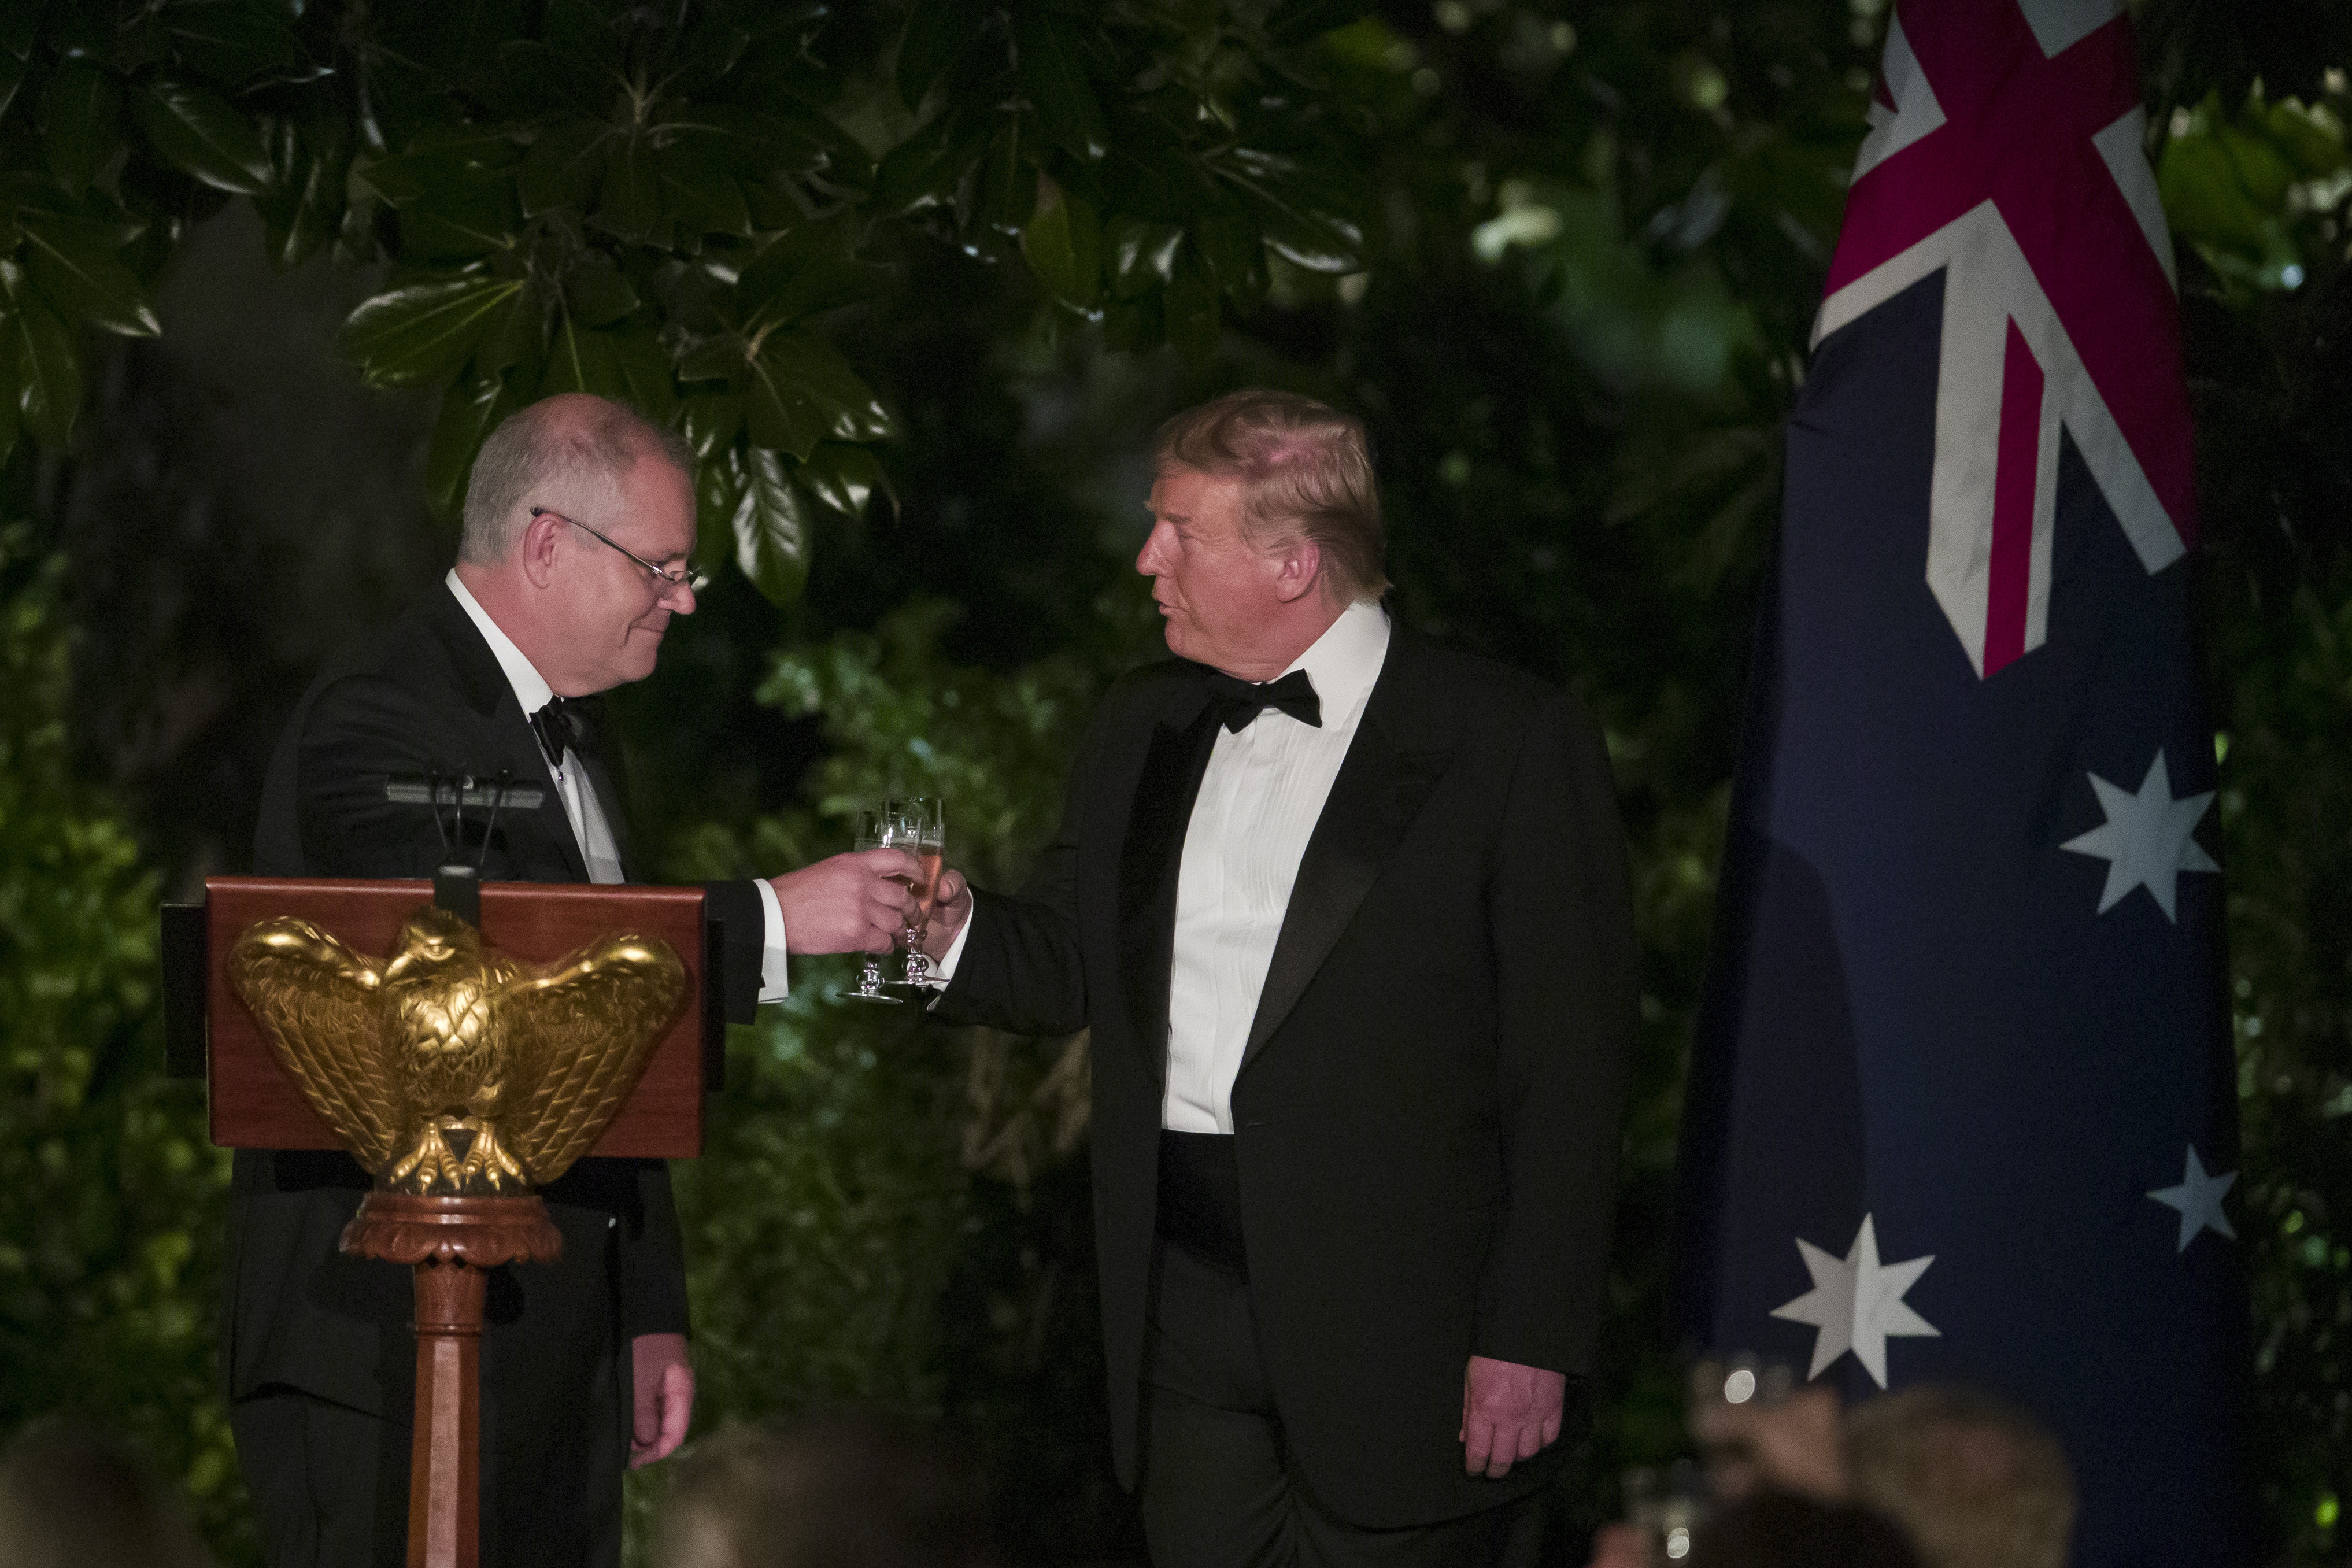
(459,788)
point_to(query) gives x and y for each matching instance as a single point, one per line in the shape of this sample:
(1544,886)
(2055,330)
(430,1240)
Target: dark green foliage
(110,1198)
(658,206)
(867,1224)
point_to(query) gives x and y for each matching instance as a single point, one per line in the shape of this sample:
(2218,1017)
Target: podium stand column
(451,1242)
(444,1462)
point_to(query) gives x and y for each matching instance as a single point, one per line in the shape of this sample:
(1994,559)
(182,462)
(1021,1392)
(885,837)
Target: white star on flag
(1857,1304)
(2148,839)
(2199,1199)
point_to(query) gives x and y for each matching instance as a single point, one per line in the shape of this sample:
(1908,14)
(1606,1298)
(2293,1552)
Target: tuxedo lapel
(499,714)
(608,778)
(1379,791)
(1149,857)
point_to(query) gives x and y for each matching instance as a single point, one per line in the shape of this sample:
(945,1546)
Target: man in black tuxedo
(1355,945)
(578,520)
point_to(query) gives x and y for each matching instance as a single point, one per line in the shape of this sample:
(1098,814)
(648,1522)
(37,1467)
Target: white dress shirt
(590,830)
(1259,801)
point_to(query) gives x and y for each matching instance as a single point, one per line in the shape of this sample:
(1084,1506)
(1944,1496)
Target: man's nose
(1147,559)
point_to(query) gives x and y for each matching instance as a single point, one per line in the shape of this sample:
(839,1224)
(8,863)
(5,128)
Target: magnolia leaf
(1297,21)
(81,123)
(585,32)
(517,338)
(304,210)
(19,26)
(710,420)
(1229,248)
(1008,179)
(443,156)
(562,168)
(720,357)
(770,527)
(648,384)
(1188,311)
(198,131)
(580,360)
(1054,78)
(467,212)
(703,195)
(718,482)
(48,372)
(778,410)
(9,422)
(423,334)
(923,170)
(852,411)
(71,261)
(784,287)
(470,410)
(235,41)
(1063,242)
(632,206)
(1300,227)
(1142,254)
(597,292)
(844,476)
(754,144)
(937,32)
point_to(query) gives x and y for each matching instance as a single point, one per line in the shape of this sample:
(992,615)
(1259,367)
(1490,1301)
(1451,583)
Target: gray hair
(577,439)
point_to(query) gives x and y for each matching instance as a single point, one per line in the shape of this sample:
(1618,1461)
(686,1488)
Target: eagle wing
(577,1038)
(316,1001)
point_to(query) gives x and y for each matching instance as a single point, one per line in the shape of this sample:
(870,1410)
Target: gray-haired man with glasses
(579,521)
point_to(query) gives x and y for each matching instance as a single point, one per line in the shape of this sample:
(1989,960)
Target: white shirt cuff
(773,981)
(944,970)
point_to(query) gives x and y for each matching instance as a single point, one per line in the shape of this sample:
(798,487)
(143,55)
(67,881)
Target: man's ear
(536,549)
(1299,568)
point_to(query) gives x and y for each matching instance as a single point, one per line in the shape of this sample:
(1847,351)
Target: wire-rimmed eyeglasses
(690,577)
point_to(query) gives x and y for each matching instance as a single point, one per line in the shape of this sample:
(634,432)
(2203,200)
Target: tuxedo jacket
(429,692)
(1426,1116)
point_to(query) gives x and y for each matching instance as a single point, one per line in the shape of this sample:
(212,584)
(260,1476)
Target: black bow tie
(1242,700)
(565,722)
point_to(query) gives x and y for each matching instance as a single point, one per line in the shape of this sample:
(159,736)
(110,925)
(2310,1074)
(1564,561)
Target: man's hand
(950,910)
(856,903)
(1509,1413)
(663,1376)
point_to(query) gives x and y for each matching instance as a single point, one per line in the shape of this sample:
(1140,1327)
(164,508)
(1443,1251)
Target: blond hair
(1305,471)
(1975,1481)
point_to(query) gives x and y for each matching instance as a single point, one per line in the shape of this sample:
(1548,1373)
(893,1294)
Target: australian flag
(1962,1103)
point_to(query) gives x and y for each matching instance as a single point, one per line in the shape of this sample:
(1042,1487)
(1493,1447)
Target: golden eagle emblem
(450,1067)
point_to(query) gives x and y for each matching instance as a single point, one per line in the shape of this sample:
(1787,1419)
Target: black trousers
(329,1486)
(1218,1490)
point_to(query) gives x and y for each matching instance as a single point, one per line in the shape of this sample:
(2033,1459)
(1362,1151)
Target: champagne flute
(873,833)
(924,819)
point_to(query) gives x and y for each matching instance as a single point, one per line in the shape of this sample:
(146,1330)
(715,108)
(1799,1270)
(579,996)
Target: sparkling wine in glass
(923,821)
(873,833)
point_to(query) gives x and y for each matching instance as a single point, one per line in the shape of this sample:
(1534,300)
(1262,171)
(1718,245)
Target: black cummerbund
(1200,1196)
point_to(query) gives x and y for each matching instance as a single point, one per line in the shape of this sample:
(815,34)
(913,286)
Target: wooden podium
(447,1240)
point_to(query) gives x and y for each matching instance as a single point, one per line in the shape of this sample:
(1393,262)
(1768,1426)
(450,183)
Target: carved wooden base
(449,1242)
